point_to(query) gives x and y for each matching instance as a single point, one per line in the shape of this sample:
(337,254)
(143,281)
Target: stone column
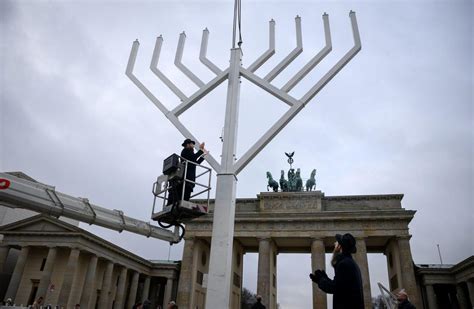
(120,296)
(4,250)
(318,261)
(470,289)
(168,291)
(106,282)
(186,275)
(46,275)
(17,274)
(361,258)
(146,288)
(461,296)
(133,290)
(393,265)
(264,274)
(68,276)
(408,271)
(431,297)
(89,283)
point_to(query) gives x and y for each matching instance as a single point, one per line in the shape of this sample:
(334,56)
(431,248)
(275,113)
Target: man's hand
(201,146)
(318,275)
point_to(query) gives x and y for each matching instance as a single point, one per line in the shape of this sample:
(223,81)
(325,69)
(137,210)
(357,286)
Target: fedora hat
(188,141)
(347,242)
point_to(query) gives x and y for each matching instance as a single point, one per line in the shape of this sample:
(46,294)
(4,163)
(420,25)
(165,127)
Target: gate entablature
(306,215)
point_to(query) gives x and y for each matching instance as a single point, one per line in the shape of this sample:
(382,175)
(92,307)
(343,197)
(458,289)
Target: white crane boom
(17,192)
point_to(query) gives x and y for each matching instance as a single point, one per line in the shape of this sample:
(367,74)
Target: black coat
(258,305)
(346,285)
(406,305)
(189,155)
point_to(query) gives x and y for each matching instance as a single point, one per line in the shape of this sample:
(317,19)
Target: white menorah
(219,279)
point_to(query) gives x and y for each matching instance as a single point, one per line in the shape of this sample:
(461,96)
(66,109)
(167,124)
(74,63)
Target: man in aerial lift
(188,154)
(198,157)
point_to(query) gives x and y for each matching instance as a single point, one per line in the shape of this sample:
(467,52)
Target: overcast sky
(397,119)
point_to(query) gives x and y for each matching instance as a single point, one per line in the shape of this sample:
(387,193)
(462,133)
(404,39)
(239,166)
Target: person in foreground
(403,302)
(347,283)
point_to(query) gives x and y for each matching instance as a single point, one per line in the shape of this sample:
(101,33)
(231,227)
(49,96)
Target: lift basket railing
(176,210)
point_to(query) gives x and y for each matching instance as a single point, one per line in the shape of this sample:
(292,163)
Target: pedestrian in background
(258,304)
(403,302)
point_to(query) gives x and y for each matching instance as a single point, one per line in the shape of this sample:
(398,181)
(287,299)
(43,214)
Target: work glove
(318,275)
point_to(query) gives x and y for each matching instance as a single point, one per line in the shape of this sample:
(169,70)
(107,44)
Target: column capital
(106,259)
(262,238)
(75,249)
(317,238)
(100,256)
(123,266)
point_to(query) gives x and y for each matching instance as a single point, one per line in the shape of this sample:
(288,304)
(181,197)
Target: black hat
(188,141)
(347,242)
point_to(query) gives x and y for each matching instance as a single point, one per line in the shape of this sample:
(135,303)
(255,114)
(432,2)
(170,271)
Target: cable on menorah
(237,24)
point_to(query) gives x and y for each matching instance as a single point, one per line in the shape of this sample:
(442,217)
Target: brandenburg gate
(302,222)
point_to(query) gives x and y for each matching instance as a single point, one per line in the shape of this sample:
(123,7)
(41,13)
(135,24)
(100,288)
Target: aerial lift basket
(170,188)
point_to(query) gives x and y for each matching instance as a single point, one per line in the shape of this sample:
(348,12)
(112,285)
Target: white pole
(220,263)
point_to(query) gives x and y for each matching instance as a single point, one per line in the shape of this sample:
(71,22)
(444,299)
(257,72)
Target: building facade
(447,286)
(44,256)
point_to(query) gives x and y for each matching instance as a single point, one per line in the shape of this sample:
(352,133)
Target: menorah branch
(339,65)
(178,62)
(314,61)
(159,74)
(129,72)
(203,52)
(267,137)
(285,97)
(291,56)
(267,54)
(170,115)
(203,91)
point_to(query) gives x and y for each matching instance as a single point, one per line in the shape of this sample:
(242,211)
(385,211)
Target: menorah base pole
(220,264)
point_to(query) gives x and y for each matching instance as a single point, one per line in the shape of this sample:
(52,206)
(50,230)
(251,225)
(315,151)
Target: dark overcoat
(346,285)
(258,305)
(406,305)
(189,155)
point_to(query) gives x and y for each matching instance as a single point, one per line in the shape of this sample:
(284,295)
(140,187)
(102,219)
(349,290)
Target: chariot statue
(294,183)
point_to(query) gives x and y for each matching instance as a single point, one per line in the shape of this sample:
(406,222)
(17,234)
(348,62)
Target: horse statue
(298,181)
(283,182)
(311,182)
(291,180)
(271,183)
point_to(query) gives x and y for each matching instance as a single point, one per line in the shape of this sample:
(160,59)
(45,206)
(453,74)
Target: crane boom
(16,192)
